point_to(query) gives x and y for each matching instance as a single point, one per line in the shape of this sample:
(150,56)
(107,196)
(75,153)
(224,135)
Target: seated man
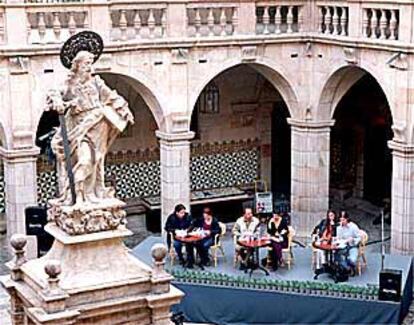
(244,226)
(348,233)
(211,228)
(180,220)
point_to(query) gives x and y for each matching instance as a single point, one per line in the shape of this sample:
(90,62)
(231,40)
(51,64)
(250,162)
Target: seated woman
(211,228)
(323,234)
(278,231)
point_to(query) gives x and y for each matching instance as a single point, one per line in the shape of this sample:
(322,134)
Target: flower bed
(317,288)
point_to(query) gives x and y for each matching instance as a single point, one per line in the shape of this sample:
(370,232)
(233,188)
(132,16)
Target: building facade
(305,91)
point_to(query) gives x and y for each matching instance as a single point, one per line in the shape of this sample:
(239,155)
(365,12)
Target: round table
(191,239)
(252,259)
(330,267)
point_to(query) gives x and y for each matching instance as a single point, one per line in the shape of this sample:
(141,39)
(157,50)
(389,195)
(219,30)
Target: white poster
(264,202)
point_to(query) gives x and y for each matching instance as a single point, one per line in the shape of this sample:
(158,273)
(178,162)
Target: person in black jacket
(211,228)
(180,220)
(278,231)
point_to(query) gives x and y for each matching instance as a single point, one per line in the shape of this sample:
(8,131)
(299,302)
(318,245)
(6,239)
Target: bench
(204,197)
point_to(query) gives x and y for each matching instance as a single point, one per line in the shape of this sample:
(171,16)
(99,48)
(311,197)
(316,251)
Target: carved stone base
(88,218)
(91,279)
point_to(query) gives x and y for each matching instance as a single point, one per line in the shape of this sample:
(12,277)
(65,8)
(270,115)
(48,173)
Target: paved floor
(301,267)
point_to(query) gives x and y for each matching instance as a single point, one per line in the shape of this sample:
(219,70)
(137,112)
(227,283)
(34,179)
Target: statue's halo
(83,41)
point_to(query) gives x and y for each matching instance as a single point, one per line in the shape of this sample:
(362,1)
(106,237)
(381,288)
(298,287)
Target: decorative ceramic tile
(131,180)
(217,165)
(46,186)
(2,193)
(224,169)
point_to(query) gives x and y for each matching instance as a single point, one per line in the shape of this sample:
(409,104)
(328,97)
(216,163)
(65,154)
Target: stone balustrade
(278,19)
(212,19)
(53,1)
(333,20)
(47,25)
(52,21)
(136,21)
(2,27)
(380,23)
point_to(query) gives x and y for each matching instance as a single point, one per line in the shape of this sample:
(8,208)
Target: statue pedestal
(108,214)
(96,281)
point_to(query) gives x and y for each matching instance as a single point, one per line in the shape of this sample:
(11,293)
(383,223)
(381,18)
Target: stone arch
(144,86)
(147,94)
(359,102)
(272,71)
(339,82)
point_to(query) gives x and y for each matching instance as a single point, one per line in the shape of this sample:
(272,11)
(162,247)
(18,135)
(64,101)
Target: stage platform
(241,301)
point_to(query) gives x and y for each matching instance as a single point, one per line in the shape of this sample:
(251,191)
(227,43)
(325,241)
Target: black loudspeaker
(390,285)
(36,220)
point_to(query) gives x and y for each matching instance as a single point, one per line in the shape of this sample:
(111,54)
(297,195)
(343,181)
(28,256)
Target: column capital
(310,125)
(175,137)
(19,155)
(401,149)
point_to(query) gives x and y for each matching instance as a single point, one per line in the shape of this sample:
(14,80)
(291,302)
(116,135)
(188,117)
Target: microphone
(382,240)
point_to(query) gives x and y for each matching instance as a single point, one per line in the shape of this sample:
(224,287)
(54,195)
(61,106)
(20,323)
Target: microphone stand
(382,240)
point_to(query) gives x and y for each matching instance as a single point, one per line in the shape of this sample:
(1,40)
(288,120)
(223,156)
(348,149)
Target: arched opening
(361,162)
(132,164)
(242,136)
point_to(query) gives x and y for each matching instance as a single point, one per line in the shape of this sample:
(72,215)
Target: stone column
(16,32)
(310,173)
(247,18)
(100,19)
(402,198)
(20,186)
(175,171)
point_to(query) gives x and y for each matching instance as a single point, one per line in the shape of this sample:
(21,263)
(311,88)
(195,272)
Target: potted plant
(347,290)
(307,287)
(336,289)
(288,286)
(323,288)
(266,284)
(296,286)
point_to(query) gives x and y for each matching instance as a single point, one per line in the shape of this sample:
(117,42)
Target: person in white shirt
(348,233)
(244,226)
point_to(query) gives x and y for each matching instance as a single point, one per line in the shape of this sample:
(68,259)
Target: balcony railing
(136,21)
(278,19)
(333,20)
(380,23)
(211,19)
(53,24)
(42,22)
(2,27)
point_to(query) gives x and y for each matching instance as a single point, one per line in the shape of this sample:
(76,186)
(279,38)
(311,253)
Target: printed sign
(264,202)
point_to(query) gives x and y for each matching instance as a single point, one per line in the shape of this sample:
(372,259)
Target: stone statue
(95,116)
(92,116)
